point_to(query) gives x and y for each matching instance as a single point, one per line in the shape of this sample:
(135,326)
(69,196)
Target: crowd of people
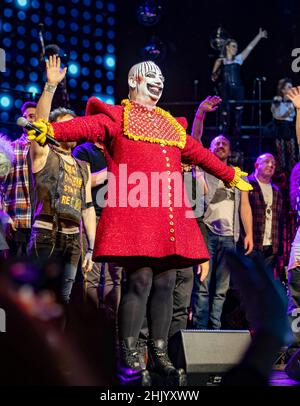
(147,220)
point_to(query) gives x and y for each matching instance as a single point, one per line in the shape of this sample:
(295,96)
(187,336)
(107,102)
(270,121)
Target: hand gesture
(262,33)
(88,263)
(54,73)
(211,103)
(294,95)
(203,270)
(248,244)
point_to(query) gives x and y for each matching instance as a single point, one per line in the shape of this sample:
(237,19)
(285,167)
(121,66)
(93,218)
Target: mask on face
(145,82)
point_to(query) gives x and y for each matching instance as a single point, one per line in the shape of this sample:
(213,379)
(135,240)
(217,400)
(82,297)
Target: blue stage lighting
(20,59)
(18,103)
(21,44)
(7,27)
(74,12)
(8,12)
(98,88)
(22,3)
(98,32)
(111,34)
(110,48)
(87,15)
(111,7)
(5,101)
(87,3)
(34,47)
(110,75)
(5,85)
(73,83)
(85,98)
(110,100)
(35,18)
(20,74)
(20,87)
(85,71)
(61,24)
(98,46)
(109,90)
(86,29)
(48,21)
(48,36)
(86,43)
(61,38)
(74,27)
(85,85)
(33,76)
(35,4)
(99,18)
(98,60)
(98,74)
(7,42)
(111,21)
(75,1)
(21,30)
(86,57)
(21,15)
(33,62)
(99,4)
(48,7)
(4,117)
(34,89)
(61,10)
(73,69)
(109,61)
(73,55)
(105,98)
(74,40)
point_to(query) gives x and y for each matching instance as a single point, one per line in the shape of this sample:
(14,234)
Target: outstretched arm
(294,96)
(261,34)
(209,104)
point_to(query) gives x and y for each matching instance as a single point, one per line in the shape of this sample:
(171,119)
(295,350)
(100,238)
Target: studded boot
(130,371)
(159,362)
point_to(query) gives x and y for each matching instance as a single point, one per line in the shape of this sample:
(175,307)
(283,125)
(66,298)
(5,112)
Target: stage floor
(280,378)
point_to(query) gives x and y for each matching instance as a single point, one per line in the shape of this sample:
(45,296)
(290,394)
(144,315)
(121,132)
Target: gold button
(172,230)
(168,165)
(169,201)
(171,223)
(170,187)
(172,238)
(170,208)
(169,173)
(169,180)
(164,151)
(170,194)
(167,159)
(171,216)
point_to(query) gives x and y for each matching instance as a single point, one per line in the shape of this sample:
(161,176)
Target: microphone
(22,122)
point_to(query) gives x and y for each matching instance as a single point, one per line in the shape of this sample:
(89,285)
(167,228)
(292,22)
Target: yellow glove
(45,127)
(238,182)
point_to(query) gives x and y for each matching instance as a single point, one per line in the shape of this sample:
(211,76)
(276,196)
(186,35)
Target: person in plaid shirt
(16,198)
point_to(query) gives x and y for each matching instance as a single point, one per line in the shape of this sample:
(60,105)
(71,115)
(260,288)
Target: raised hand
(53,70)
(211,103)
(263,33)
(294,95)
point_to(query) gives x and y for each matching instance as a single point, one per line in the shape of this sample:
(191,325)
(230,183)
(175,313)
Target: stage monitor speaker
(207,354)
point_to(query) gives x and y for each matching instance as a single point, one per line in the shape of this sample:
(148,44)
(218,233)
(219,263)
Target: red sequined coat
(164,236)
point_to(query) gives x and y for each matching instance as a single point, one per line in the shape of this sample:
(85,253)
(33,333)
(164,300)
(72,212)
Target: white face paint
(146,83)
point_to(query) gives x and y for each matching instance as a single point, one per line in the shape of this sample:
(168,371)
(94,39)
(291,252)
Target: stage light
(18,103)
(4,117)
(61,38)
(48,36)
(35,18)
(5,101)
(74,27)
(109,90)
(85,98)
(86,29)
(111,7)
(61,24)
(20,87)
(98,74)
(21,15)
(111,21)
(99,4)
(87,15)
(34,47)
(7,27)
(73,55)
(35,4)
(85,85)
(98,60)
(149,12)
(73,69)
(99,18)
(33,76)
(7,42)
(98,32)
(33,32)
(74,12)
(33,62)
(74,41)
(86,43)
(34,89)
(61,10)
(86,57)
(87,3)
(110,75)
(22,3)
(111,34)
(48,21)
(48,7)
(98,46)
(98,88)
(85,71)
(109,61)
(8,12)
(73,83)
(110,48)
(20,74)
(21,44)
(20,59)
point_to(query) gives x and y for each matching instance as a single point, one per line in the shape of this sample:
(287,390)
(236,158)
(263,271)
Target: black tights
(147,289)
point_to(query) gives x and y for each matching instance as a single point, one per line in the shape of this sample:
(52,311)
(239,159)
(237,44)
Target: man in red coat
(144,227)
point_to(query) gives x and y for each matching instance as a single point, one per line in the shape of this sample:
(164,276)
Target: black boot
(160,363)
(130,370)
